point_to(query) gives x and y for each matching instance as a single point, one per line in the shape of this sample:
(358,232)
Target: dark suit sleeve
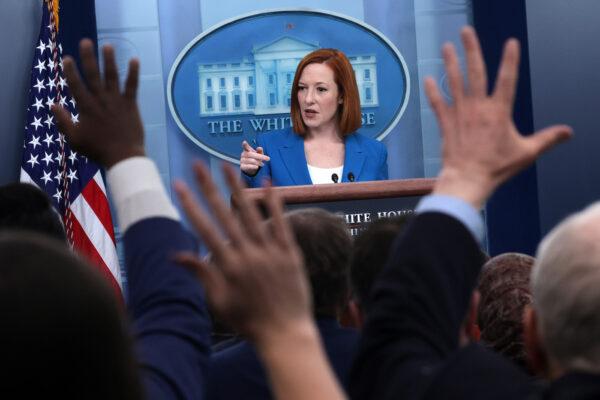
(418,305)
(263,173)
(170,322)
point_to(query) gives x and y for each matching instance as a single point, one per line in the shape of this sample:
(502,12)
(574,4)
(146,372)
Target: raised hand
(252,159)
(256,281)
(481,145)
(110,128)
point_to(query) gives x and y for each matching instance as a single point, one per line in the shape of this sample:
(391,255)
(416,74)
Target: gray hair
(565,284)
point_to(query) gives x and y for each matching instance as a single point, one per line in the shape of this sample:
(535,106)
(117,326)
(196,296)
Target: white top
(138,192)
(324,175)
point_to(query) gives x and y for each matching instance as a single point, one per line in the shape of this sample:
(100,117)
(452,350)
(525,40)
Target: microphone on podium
(350,177)
(335,178)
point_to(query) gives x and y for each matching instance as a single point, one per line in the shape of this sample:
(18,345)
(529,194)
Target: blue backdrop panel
(512,213)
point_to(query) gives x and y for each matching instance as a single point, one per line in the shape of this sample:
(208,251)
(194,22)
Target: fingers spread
(78,90)
(437,103)
(211,278)
(64,122)
(90,65)
(249,215)
(111,76)
(475,65)
(508,73)
(131,83)
(199,220)
(549,137)
(218,206)
(455,79)
(282,232)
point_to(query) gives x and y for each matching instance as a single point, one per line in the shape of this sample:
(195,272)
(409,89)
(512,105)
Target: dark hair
(326,246)
(505,291)
(349,118)
(63,333)
(370,254)
(25,207)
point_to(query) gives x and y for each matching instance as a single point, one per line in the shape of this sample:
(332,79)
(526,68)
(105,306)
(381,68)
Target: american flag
(74,183)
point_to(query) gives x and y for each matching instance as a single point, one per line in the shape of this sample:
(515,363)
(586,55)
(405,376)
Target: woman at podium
(322,146)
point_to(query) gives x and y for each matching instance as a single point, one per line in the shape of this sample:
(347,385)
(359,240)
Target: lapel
(294,159)
(354,158)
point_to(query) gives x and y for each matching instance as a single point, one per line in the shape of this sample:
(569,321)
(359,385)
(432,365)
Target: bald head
(566,291)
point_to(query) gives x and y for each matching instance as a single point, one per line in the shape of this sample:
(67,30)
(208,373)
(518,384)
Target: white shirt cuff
(138,192)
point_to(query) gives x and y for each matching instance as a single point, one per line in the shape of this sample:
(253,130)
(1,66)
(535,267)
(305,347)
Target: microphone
(350,177)
(335,178)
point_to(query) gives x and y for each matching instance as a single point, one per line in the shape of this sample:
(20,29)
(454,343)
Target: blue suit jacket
(365,158)
(170,322)
(237,373)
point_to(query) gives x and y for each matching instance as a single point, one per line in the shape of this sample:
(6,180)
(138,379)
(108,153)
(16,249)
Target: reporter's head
(63,334)
(566,298)
(505,292)
(326,247)
(25,207)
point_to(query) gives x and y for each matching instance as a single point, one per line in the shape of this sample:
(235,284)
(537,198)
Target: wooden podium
(359,202)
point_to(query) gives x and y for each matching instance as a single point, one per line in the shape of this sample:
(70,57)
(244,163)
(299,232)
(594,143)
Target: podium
(358,202)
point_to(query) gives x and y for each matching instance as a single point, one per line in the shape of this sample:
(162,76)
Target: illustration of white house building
(262,84)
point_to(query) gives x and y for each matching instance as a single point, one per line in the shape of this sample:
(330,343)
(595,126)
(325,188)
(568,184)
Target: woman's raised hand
(252,159)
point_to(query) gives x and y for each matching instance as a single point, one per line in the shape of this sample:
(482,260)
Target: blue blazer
(171,325)
(238,373)
(365,158)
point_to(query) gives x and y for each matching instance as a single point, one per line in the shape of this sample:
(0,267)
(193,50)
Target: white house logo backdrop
(234,80)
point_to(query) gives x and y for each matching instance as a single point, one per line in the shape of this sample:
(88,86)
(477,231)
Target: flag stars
(48,158)
(37,122)
(75,118)
(50,102)
(62,82)
(49,139)
(57,195)
(72,157)
(40,85)
(50,45)
(40,66)
(41,47)
(62,101)
(51,84)
(72,175)
(33,160)
(35,141)
(51,65)
(58,158)
(38,104)
(46,178)
(73,102)
(60,139)
(58,177)
(49,121)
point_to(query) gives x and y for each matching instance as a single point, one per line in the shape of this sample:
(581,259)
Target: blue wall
(565,85)
(19,28)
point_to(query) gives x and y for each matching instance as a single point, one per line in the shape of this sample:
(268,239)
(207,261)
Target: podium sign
(359,203)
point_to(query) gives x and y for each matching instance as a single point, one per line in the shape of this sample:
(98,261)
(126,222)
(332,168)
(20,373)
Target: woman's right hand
(252,159)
